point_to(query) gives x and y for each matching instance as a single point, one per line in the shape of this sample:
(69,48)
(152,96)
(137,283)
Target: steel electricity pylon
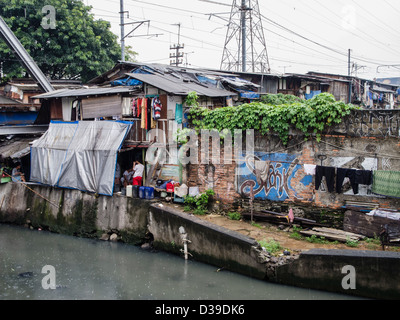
(245,48)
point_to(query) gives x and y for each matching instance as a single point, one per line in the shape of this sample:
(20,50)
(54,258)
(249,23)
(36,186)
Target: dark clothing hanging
(149,115)
(349,173)
(328,173)
(364,177)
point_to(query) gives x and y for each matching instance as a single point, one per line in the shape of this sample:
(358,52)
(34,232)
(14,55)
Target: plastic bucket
(149,193)
(135,191)
(129,191)
(142,193)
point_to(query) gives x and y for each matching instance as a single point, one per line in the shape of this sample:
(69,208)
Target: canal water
(87,269)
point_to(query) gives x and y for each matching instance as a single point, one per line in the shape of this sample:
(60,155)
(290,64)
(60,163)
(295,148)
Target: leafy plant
(199,204)
(182,135)
(316,239)
(234,215)
(271,245)
(352,243)
(373,243)
(296,233)
(280,98)
(192,99)
(311,117)
(256,225)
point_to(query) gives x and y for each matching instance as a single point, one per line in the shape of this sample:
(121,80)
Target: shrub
(199,204)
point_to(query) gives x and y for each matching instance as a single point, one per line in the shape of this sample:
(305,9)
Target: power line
(393,7)
(389,28)
(368,35)
(300,35)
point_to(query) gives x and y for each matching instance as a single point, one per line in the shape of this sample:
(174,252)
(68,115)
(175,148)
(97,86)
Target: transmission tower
(245,48)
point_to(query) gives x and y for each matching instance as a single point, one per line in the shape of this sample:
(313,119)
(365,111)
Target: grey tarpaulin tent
(79,155)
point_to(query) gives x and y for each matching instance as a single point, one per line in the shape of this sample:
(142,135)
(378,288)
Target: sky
(301,35)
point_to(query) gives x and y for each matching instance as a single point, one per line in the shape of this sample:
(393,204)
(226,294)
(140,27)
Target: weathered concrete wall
(73,212)
(370,123)
(77,213)
(376,272)
(209,243)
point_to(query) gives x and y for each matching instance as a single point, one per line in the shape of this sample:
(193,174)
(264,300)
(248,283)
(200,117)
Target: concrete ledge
(376,272)
(209,243)
(73,212)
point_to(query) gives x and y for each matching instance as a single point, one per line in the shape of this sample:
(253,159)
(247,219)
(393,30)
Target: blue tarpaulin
(249,95)
(126,82)
(312,94)
(129,82)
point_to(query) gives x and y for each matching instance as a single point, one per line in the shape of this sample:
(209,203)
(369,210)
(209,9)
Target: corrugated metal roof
(5,100)
(178,85)
(381,90)
(63,93)
(16,149)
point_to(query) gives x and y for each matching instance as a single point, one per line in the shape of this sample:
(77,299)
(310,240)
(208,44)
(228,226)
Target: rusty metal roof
(179,85)
(16,149)
(63,93)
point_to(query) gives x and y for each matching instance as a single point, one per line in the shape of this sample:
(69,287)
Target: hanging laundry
(386,183)
(139,107)
(134,107)
(148,112)
(364,177)
(151,122)
(179,113)
(144,114)
(346,173)
(157,106)
(309,169)
(328,173)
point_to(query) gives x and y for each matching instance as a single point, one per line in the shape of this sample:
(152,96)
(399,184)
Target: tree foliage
(78,47)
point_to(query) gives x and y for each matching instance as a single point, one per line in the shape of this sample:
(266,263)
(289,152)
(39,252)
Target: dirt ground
(261,231)
(264,231)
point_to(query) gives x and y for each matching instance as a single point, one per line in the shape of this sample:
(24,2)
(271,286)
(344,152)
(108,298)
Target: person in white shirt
(138,169)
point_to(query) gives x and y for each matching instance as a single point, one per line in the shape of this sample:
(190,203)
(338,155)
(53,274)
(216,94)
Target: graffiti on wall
(376,123)
(271,176)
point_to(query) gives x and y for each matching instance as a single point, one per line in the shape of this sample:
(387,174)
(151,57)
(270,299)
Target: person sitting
(17,175)
(127,177)
(138,175)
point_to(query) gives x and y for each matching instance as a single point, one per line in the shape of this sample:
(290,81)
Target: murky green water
(90,269)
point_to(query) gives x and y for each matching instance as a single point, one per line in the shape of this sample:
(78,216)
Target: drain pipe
(185,242)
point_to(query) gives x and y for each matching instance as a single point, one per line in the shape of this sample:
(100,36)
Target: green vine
(192,99)
(199,204)
(310,117)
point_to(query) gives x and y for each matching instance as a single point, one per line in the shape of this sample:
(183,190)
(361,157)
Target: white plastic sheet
(79,155)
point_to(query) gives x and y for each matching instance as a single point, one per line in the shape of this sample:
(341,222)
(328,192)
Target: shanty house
(134,97)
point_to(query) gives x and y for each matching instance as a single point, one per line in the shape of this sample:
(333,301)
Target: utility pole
(349,63)
(177,55)
(349,74)
(129,34)
(122,13)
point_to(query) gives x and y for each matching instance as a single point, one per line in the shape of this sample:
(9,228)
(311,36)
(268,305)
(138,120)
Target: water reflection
(91,269)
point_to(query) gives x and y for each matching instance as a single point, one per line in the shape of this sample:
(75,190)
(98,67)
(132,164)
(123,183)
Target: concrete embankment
(375,274)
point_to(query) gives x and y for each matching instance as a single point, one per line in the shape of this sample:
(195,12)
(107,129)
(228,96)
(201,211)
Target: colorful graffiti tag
(270,175)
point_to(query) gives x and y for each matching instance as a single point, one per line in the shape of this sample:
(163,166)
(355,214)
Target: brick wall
(339,150)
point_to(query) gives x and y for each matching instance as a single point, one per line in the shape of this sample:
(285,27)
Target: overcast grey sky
(317,37)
